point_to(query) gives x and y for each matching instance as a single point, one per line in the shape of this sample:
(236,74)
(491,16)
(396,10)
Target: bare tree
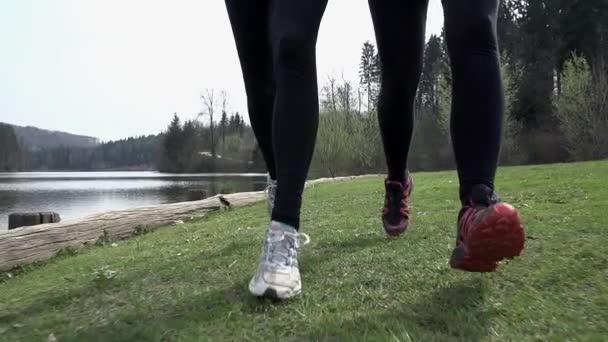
(224,118)
(209,103)
(328,99)
(359,100)
(345,99)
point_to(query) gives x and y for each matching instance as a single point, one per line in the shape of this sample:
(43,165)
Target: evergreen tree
(231,124)
(583,27)
(224,127)
(538,56)
(429,79)
(172,144)
(509,38)
(189,147)
(240,124)
(10,151)
(369,73)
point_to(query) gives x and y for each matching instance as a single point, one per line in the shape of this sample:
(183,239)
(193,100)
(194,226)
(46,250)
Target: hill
(189,282)
(36,138)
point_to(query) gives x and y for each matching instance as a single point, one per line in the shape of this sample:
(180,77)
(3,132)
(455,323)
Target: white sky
(118,68)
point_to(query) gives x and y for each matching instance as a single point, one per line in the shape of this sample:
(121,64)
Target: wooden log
(50,217)
(26,245)
(17,220)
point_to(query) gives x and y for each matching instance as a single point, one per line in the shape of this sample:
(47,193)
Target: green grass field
(189,282)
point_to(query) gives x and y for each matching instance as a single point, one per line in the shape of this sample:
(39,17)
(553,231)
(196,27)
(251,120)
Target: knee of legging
(471,33)
(260,89)
(398,88)
(259,104)
(293,53)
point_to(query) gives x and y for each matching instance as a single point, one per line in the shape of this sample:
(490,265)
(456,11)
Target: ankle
(404,181)
(283,226)
(480,194)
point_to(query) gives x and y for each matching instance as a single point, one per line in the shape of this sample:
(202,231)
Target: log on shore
(27,245)
(17,220)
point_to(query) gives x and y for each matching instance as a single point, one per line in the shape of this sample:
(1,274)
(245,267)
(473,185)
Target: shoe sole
(264,290)
(499,235)
(395,230)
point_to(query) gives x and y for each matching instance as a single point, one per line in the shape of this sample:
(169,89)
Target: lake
(78,194)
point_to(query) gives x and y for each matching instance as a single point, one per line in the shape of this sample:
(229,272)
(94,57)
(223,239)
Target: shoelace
(397,199)
(271,192)
(282,248)
(468,215)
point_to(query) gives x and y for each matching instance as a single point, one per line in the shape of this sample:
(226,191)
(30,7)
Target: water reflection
(79,194)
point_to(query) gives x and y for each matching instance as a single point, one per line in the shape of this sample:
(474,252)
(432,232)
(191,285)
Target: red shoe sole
(499,235)
(395,230)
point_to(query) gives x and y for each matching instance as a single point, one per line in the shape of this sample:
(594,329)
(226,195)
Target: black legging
(477,98)
(276,41)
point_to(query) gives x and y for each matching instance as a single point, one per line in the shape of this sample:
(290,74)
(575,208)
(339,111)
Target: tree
(429,79)
(231,125)
(134,153)
(345,97)
(172,143)
(241,124)
(583,26)
(508,30)
(369,73)
(11,157)
(334,143)
(511,152)
(189,147)
(538,56)
(329,96)
(209,103)
(582,108)
(223,127)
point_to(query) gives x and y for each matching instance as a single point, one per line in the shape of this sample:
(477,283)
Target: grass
(189,283)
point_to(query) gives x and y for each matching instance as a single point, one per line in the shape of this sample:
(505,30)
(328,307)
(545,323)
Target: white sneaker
(271,193)
(278,276)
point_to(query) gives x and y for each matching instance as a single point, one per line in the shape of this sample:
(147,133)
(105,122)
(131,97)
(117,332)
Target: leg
(478,97)
(488,231)
(249,20)
(294,25)
(400,28)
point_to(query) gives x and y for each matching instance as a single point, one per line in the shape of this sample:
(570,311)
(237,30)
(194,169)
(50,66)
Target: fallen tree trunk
(26,245)
(17,220)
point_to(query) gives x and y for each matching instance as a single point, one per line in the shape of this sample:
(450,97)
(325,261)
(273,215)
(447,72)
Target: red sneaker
(488,232)
(396,211)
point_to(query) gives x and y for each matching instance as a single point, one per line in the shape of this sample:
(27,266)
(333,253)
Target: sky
(114,68)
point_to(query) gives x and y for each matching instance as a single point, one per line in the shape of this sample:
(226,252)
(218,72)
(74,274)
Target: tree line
(554,62)
(554,56)
(134,153)
(210,145)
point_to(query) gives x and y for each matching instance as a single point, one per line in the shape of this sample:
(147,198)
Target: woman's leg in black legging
(478,96)
(294,25)
(400,30)
(250,25)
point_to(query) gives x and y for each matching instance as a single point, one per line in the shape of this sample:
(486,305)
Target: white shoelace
(270,193)
(282,248)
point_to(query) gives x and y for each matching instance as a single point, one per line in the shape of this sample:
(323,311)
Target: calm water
(78,194)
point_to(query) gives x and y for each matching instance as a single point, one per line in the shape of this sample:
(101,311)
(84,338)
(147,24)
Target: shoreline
(27,245)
